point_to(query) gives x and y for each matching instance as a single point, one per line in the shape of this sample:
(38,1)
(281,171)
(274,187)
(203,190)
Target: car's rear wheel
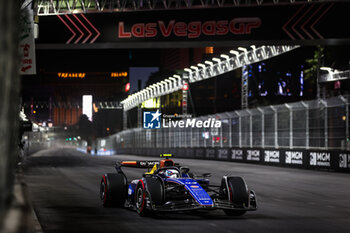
(113,189)
(238,195)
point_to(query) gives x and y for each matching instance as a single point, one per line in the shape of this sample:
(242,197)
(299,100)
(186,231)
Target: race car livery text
(237,26)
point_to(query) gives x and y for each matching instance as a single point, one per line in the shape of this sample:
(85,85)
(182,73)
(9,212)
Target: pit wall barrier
(331,160)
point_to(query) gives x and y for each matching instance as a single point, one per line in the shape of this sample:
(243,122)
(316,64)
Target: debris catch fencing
(315,124)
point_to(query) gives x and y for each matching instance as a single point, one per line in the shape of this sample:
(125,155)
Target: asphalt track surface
(64,188)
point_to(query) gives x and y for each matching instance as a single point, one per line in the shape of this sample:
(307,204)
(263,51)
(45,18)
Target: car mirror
(206,175)
(185,169)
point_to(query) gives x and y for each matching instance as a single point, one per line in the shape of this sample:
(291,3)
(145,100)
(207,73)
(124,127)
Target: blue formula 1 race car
(171,187)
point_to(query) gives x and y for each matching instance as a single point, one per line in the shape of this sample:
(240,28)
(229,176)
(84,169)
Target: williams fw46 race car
(171,187)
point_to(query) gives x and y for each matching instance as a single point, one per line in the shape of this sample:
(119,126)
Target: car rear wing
(138,164)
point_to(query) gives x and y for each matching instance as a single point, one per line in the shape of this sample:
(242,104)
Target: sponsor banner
(344,160)
(315,21)
(223,153)
(294,157)
(199,153)
(322,159)
(336,160)
(253,155)
(237,154)
(272,156)
(26,43)
(210,153)
(189,152)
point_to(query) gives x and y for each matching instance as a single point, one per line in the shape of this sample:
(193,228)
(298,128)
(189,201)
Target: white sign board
(87,106)
(335,76)
(26,43)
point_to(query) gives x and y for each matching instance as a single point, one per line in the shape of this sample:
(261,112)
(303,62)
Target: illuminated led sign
(127,87)
(95,108)
(119,74)
(311,21)
(209,50)
(192,29)
(151,103)
(70,75)
(185,87)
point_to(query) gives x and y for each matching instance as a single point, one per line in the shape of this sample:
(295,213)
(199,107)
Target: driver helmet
(171,173)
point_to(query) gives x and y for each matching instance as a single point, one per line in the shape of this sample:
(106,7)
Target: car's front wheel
(141,199)
(237,193)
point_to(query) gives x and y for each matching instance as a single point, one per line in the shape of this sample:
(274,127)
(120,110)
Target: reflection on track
(64,188)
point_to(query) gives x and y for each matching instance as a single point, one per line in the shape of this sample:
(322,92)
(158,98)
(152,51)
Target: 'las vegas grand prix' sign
(270,24)
(194,29)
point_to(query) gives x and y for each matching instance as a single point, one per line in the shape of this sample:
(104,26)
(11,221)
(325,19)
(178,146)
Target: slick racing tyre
(141,198)
(156,190)
(238,195)
(113,189)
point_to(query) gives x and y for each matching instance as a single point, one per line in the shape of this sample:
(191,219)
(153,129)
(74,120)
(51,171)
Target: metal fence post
(307,133)
(262,127)
(212,141)
(250,128)
(345,100)
(125,119)
(221,143)
(325,123)
(139,116)
(191,137)
(290,125)
(230,132)
(239,128)
(276,125)
(346,125)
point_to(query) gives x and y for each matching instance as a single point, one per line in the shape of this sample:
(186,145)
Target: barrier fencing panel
(9,101)
(315,124)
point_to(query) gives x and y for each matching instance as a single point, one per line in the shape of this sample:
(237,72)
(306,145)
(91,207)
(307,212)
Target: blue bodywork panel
(194,188)
(196,191)
(131,189)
